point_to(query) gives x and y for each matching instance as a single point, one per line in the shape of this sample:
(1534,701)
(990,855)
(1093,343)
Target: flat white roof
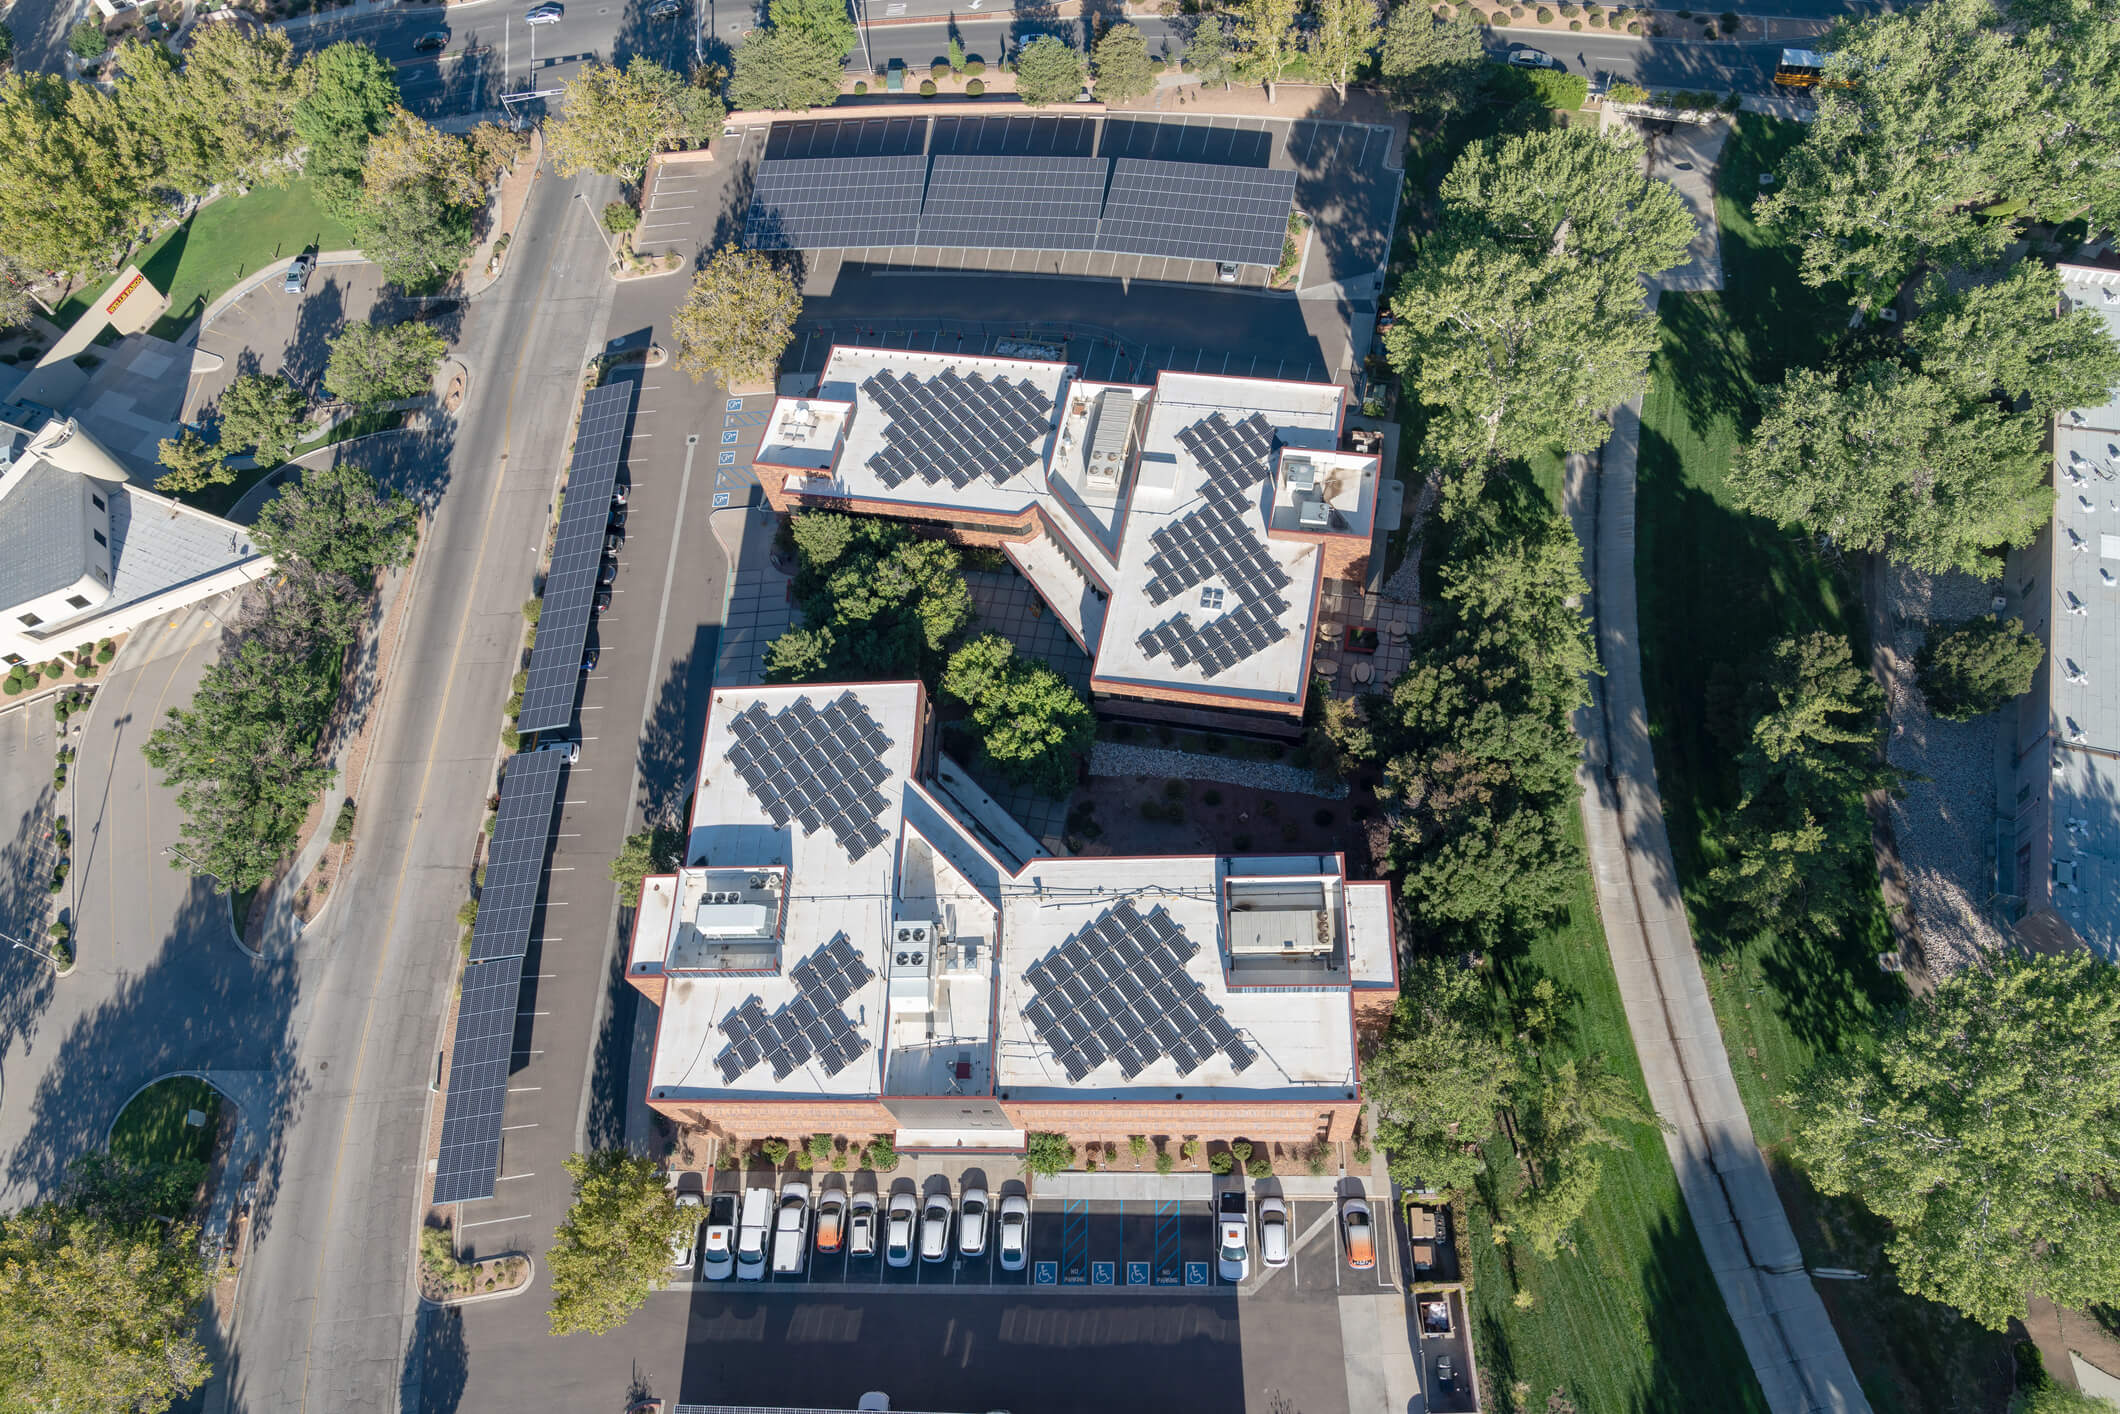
(1304,1037)
(2096,288)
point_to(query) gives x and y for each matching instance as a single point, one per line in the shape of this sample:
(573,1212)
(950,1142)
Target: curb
(529,1278)
(199,1075)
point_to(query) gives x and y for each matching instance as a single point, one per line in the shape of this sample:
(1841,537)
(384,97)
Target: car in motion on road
(861,1226)
(1273,1231)
(665,9)
(682,1246)
(1233,1244)
(431,41)
(1361,1234)
(831,1219)
(718,1248)
(898,1238)
(1015,1232)
(1532,59)
(971,1222)
(935,1228)
(545,15)
(298,273)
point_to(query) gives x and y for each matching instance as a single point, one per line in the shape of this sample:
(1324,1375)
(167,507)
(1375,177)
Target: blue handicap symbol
(728,459)
(1100,1273)
(1196,1273)
(721,500)
(734,405)
(1047,1273)
(728,439)
(1137,1274)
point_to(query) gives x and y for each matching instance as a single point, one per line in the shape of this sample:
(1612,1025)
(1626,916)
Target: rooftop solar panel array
(1197,211)
(1220,542)
(478,1080)
(1020,190)
(818,203)
(515,858)
(577,555)
(812,1025)
(1118,993)
(1008,203)
(956,429)
(817,769)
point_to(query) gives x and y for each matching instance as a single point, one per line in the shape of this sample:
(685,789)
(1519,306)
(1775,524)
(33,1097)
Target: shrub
(511,739)
(974,87)
(1137,1146)
(513,708)
(1516,12)
(1634,27)
(1362,1155)
(1189,1150)
(1222,1161)
(55,670)
(1260,1167)
(861,85)
(1174,790)
(12,685)
(342,828)
(775,1150)
(59,779)
(467,913)
(1241,1149)
(939,70)
(1046,1153)
(1730,22)
(1240,842)
(1164,1162)
(105,651)
(620,216)
(1317,1161)
(1210,796)
(820,1150)
(532,608)
(1322,819)
(927,88)
(1597,22)
(973,68)
(1545,16)
(1575,24)
(882,1154)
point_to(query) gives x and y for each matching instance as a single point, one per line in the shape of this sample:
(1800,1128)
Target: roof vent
(1312,513)
(1302,472)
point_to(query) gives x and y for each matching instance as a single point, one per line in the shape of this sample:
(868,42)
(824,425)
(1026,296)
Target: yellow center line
(441,715)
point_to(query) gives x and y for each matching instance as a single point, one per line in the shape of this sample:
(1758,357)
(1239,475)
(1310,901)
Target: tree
(1967,670)
(1981,1127)
(76,174)
(1266,40)
(1034,727)
(264,414)
(243,92)
(1123,69)
(785,69)
(800,654)
(7,44)
(825,21)
(18,302)
(1347,31)
(414,233)
(191,463)
(372,364)
(1564,1116)
(98,1315)
(1523,320)
(1209,50)
(2002,337)
(738,318)
(348,92)
(656,850)
(1048,71)
(613,1247)
(86,40)
(410,153)
(878,600)
(1927,117)
(335,521)
(1438,1079)
(616,119)
(1896,461)
(619,217)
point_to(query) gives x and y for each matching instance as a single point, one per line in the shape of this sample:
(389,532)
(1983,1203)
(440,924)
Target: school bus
(1800,68)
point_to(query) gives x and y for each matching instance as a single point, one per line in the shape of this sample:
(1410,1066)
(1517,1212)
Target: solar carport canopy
(1014,203)
(1197,211)
(819,203)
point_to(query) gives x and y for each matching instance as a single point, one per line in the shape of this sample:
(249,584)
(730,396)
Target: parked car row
(742,1236)
(1233,1228)
(614,541)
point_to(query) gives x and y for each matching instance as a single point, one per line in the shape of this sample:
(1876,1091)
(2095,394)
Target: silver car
(935,1228)
(545,15)
(685,1244)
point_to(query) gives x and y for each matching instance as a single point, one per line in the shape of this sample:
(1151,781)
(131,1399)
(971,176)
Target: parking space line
(488,1222)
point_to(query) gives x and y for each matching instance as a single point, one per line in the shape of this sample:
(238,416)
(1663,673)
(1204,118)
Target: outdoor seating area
(1364,641)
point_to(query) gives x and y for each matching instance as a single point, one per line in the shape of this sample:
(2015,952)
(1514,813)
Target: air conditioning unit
(1313,513)
(1302,473)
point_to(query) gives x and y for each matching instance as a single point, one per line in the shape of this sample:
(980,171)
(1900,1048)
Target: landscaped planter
(487,1279)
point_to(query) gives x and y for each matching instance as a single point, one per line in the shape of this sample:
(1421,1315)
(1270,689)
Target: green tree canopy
(785,69)
(738,318)
(76,174)
(1982,1127)
(243,91)
(613,1247)
(2001,336)
(616,119)
(1438,1079)
(879,601)
(264,414)
(1123,69)
(1565,1116)
(1209,50)
(1049,70)
(1968,670)
(656,850)
(1431,66)
(1894,460)
(191,463)
(414,233)
(826,21)
(86,40)
(372,364)
(1033,726)
(1266,40)
(1345,36)
(348,92)
(335,520)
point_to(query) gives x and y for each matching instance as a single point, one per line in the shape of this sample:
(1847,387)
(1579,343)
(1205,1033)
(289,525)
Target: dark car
(603,600)
(608,573)
(544,15)
(614,541)
(618,519)
(665,9)
(432,40)
(589,659)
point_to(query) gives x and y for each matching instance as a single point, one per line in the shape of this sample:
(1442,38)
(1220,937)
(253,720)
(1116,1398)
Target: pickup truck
(791,1229)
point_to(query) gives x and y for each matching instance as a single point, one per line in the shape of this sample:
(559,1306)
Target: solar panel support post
(596,220)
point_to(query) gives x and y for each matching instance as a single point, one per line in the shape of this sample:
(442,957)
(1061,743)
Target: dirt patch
(1126,815)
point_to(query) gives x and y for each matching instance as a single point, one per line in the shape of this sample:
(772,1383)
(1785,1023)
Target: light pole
(28,948)
(609,244)
(195,864)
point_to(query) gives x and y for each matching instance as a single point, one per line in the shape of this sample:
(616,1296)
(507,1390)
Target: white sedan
(971,1222)
(1015,1232)
(898,1230)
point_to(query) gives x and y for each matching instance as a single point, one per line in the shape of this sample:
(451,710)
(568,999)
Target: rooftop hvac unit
(1312,513)
(1302,472)
(911,942)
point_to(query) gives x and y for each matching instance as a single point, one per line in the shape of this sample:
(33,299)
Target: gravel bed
(1111,758)
(1945,824)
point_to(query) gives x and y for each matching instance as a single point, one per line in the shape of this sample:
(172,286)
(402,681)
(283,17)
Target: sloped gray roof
(43,534)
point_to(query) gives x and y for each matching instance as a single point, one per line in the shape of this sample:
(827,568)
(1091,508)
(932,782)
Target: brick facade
(1290,1122)
(785,1119)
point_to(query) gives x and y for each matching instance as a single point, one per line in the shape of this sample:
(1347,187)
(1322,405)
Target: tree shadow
(437,1364)
(667,41)
(27,981)
(414,461)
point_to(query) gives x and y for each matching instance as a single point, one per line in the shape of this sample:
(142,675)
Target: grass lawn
(1632,1320)
(1718,586)
(224,241)
(151,1129)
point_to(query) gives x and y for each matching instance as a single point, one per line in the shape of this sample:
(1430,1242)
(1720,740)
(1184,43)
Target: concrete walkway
(1744,1232)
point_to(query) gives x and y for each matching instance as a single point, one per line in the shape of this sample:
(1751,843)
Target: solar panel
(515,857)
(822,203)
(1197,211)
(1014,203)
(577,557)
(811,1023)
(1117,991)
(810,768)
(478,1080)
(956,429)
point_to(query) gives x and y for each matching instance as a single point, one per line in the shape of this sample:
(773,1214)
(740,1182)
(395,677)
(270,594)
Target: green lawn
(151,1128)
(1717,586)
(223,242)
(1632,1322)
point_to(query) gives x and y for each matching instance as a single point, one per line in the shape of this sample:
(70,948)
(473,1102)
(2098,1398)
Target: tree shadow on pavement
(322,314)
(413,462)
(669,745)
(26,979)
(437,1362)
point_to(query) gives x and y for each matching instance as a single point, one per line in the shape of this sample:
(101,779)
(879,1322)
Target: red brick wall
(783,1119)
(1261,1123)
(650,985)
(1372,1010)
(1239,714)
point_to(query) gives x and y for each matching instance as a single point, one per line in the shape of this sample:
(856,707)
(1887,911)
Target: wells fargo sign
(120,297)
